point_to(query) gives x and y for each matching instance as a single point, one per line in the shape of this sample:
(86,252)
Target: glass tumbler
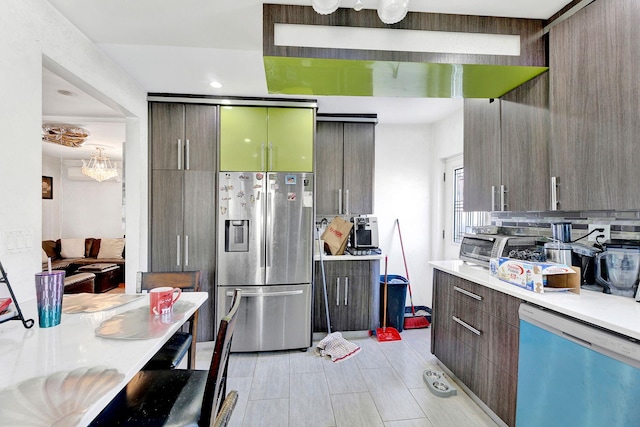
(49,291)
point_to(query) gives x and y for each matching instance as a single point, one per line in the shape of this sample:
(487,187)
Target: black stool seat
(171,353)
(157,398)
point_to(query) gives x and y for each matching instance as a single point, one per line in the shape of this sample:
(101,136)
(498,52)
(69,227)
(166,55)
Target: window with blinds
(462,219)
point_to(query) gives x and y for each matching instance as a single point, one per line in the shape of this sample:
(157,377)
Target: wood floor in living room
(380,386)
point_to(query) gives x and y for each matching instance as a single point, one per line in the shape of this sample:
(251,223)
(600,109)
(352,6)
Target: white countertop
(616,313)
(40,352)
(349,257)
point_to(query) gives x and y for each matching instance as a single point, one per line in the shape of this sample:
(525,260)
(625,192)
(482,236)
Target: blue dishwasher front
(573,374)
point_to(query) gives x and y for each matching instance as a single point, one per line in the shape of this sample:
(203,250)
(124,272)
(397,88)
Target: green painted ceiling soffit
(340,77)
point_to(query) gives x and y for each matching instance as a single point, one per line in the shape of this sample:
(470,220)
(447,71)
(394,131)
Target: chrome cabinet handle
(338,291)
(340,201)
(466,325)
(178,251)
(262,164)
(346,202)
(346,291)
(270,156)
(554,193)
(179,154)
(186,250)
(187,156)
(467,293)
(503,191)
(267,294)
(493,197)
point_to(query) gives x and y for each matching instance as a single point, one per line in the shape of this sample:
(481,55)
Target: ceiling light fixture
(99,166)
(64,134)
(392,11)
(325,7)
(389,11)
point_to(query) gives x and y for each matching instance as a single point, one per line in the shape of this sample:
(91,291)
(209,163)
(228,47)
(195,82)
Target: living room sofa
(72,254)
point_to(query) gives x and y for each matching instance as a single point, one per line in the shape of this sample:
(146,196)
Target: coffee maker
(584,256)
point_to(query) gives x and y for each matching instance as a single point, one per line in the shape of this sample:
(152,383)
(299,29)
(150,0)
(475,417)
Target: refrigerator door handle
(340,201)
(337,291)
(267,294)
(179,154)
(269,234)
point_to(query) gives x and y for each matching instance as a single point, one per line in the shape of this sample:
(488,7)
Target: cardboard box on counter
(539,277)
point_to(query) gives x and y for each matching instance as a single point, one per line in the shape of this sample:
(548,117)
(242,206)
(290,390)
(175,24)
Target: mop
(333,345)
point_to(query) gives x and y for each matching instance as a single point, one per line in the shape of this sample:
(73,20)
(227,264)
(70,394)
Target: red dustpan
(384,333)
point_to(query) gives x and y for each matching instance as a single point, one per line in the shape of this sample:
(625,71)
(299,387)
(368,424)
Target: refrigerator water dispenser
(236,235)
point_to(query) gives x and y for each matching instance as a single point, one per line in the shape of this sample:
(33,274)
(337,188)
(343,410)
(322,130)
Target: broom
(411,321)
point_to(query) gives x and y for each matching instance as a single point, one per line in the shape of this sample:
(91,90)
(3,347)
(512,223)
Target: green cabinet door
(290,139)
(266,139)
(243,138)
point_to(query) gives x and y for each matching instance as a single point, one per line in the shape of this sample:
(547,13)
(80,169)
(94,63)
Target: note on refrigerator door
(307,199)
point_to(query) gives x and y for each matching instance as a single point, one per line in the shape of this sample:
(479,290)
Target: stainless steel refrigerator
(265,235)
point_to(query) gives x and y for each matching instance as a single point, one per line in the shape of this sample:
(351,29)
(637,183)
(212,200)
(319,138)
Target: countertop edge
(611,312)
(348,257)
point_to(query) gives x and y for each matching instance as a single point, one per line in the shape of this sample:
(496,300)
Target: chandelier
(64,134)
(389,11)
(99,166)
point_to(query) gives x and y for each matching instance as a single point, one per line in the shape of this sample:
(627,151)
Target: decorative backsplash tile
(624,224)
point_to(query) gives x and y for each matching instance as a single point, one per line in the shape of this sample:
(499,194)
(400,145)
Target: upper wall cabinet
(595,111)
(345,156)
(266,139)
(184,136)
(506,163)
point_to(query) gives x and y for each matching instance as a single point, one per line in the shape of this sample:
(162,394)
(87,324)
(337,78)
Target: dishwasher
(575,374)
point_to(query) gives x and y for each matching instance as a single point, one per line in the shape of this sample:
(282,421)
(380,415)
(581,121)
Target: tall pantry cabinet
(183,160)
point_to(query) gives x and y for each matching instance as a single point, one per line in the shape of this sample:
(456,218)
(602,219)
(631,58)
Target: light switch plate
(606,232)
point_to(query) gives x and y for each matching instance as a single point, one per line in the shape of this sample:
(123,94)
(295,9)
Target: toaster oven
(480,248)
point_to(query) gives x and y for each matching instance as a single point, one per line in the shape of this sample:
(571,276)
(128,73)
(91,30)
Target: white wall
(402,191)
(51,208)
(408,187)
(80,209)
(32,32)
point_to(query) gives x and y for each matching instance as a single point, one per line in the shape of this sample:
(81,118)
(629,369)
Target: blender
(618,266)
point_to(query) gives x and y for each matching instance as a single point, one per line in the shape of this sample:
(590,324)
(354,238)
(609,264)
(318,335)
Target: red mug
(161,300)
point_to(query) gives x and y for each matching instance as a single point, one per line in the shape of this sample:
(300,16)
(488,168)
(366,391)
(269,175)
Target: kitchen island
(475,330)
(72,371)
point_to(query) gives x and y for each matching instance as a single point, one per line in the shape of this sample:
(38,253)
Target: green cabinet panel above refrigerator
(344,77)
(275,139)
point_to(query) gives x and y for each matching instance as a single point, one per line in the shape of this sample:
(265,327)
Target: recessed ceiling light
(215,85)
(66,92)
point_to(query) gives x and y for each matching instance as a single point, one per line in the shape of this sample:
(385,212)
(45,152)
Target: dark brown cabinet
(475,332)
(594,57)
(345,154)
(183,178)
(506,164)
(352,295)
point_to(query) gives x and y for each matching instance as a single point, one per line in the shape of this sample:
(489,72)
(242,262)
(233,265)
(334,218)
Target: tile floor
(380,386)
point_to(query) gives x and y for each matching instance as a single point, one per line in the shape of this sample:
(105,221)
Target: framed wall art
(47,187)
